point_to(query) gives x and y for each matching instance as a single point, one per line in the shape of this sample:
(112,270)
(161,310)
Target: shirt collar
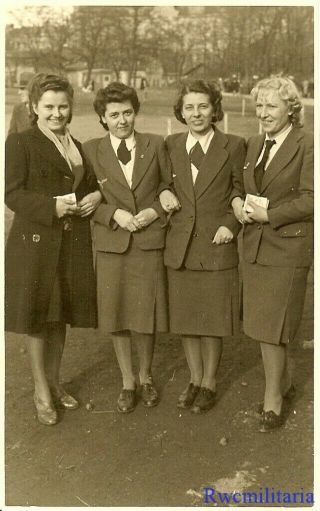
(130,142)
(204,141)
(280,138)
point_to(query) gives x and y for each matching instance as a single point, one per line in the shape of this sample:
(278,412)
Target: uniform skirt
(204,303)
(273,299)
(132,291)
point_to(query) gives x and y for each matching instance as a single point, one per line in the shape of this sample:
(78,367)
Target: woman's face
(53,110)
(197,111)
(120,118)
(272,111)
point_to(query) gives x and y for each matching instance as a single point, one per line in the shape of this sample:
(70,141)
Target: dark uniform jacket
(36,173)
(206,205)
(288,184)
(151,175)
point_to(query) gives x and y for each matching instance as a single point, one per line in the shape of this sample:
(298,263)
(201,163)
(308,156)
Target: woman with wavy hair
(49,271)
(201,247)
(278,236)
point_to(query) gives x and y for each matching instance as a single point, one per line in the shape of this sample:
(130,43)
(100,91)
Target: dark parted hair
(212,89)
(115,92)
(43,82)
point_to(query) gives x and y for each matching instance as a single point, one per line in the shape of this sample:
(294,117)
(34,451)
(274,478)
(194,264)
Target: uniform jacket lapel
(108,162)
(254,150)
(212,162)
(50,152)
(181,166)
(282,157)
(143,158)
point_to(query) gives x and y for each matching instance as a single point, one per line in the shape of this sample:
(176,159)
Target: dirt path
(158,457)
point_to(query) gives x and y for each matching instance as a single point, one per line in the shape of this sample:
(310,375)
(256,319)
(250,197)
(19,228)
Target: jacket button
(36,238)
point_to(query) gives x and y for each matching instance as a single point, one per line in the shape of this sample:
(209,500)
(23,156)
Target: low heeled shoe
(64,400)
(204,401)
(127,400)
(149,394)
(46,413)
(270,421)
(188,396)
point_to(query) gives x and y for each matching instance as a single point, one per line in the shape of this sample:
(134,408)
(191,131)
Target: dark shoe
(188,396)
(127,401)
(289,396)
(270,421)
(64,400)
(205,400)
(46,413)
(149,394)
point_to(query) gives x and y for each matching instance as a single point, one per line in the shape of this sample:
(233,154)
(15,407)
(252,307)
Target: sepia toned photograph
(159,255)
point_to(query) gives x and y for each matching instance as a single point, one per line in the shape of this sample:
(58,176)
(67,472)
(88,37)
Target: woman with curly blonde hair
(278,237)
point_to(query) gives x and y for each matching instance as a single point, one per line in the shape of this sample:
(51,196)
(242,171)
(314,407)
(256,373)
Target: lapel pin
(174,175)
(142,156)
(246,165)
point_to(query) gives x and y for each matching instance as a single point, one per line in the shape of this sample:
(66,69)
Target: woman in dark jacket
(201,246)
(49,271)
(278,238)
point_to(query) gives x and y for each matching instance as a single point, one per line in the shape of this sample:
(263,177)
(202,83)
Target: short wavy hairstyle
(115,92)
(287,91)
(212,89)
(42,83)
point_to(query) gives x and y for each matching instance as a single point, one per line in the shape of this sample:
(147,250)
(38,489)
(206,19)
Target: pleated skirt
(273,300)
(132,291)
(204,303)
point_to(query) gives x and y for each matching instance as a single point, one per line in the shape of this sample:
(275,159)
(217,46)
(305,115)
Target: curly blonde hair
(287,91)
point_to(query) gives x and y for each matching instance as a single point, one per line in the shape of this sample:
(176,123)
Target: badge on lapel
(246,166)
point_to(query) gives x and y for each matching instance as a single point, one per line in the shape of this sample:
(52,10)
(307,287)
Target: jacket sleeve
(13,128)
(237,170)
(33,206)
(301,207)
(165,177)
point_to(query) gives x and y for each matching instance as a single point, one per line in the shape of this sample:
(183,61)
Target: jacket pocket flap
(293,230)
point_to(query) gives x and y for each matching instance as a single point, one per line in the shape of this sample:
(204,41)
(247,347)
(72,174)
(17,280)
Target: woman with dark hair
(201,246)
(132,169)
(278,236)
(49,271)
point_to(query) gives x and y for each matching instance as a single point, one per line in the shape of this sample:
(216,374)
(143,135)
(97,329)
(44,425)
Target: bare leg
(192,350)
(56,342)
(37,347)
(286,380)
(274,362)
(211,349)
(145,348)
(123,350)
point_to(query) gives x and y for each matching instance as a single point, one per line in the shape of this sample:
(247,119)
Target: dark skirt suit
(48,269)
(277,256)
(131,279)
(203,277)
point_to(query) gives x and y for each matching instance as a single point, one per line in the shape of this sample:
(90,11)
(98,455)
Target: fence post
(169,126)
(243,107)
(225,122)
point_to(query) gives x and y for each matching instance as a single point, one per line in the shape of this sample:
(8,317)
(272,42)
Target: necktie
(260,168)
(197,155)
(123,153)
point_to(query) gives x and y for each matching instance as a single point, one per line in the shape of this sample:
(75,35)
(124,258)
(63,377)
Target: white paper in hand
(263,202)
(68,196)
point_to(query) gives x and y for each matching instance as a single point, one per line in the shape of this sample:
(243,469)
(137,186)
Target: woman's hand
(223,235)
(89,203)
(169,201)
(65,207)
(258,214)
(146,217)
(126,220)
(239,212)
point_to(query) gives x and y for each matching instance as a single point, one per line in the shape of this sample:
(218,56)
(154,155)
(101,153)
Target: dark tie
(123,153)
(197,155)
(260,168)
